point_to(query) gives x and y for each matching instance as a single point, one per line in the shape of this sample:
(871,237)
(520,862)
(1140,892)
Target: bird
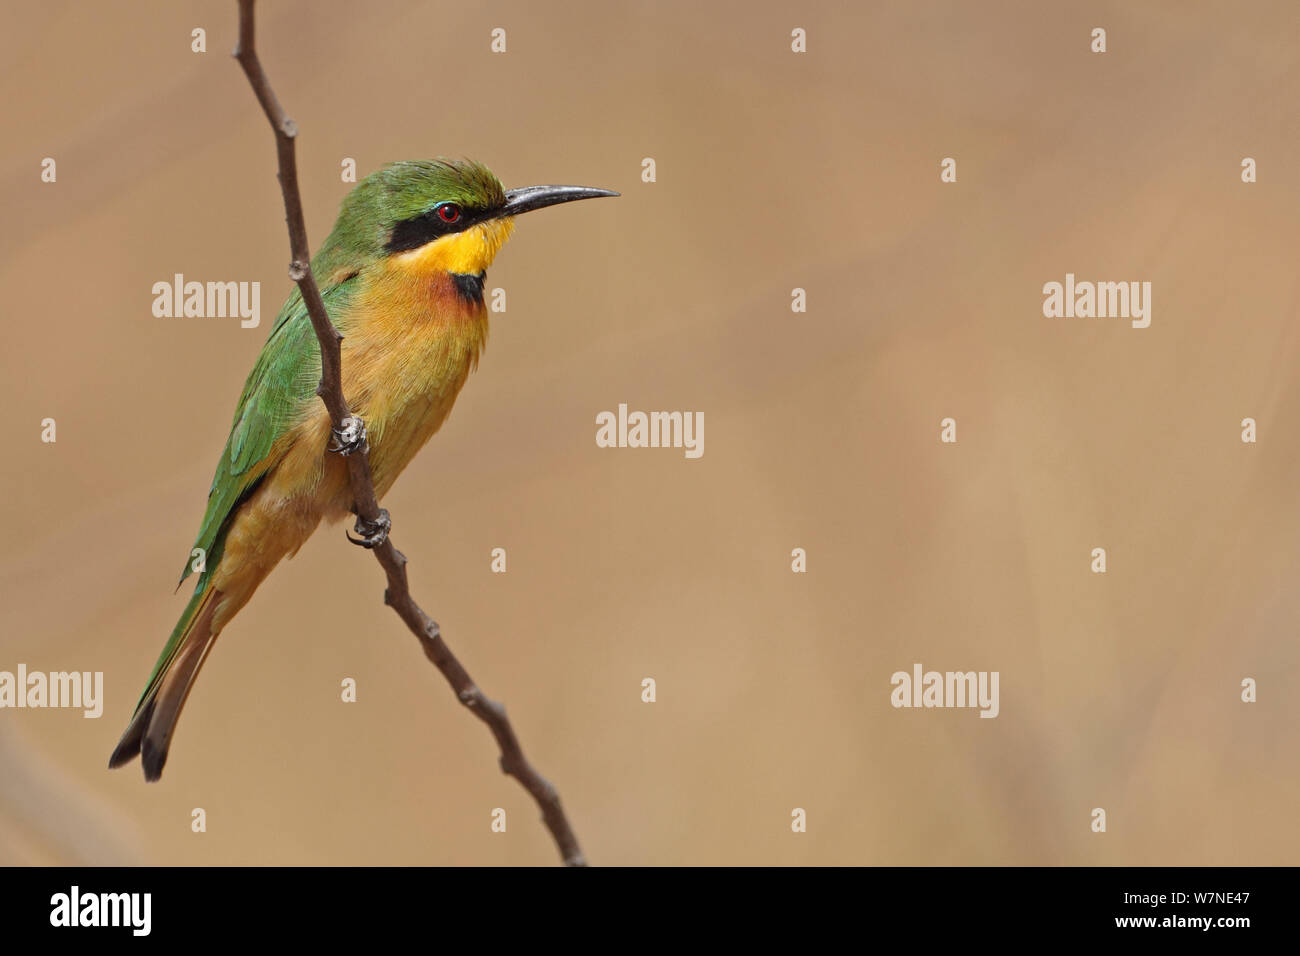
(401,275)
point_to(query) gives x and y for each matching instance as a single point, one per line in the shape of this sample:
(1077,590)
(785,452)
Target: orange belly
(406,354)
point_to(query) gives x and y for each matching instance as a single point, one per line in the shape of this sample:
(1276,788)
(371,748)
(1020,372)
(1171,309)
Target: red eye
(449,212)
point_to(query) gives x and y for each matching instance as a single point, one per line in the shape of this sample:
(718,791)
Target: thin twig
(398,594)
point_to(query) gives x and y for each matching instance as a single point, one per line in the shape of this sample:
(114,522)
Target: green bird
(402,277)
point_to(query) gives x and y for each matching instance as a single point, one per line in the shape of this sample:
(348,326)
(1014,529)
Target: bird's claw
(373,533)
(349,439)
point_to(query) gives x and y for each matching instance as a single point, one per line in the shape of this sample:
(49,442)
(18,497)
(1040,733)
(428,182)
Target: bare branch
(398,594)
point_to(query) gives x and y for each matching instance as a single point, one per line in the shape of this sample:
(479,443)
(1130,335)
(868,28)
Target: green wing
(280,388)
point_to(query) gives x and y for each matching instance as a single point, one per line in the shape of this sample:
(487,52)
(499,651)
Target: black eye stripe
(428,226)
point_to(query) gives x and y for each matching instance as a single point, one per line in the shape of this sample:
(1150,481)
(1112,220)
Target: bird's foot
(373,533)
(349,439)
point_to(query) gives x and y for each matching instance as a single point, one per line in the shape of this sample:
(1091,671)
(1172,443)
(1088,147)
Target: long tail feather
(150,731)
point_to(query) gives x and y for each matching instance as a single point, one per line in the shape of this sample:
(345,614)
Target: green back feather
(279,391)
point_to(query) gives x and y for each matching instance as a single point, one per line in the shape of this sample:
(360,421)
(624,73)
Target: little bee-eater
(402,279)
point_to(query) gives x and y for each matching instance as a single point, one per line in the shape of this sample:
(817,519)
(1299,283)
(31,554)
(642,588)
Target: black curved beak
(539,197)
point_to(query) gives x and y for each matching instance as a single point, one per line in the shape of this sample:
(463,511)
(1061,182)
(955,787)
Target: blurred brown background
(775,170)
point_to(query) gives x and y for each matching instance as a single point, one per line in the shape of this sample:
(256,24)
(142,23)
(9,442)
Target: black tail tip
(123,753)
(133,743)
(153,758)
(152,762)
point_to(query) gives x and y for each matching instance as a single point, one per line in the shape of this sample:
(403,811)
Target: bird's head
(437,215)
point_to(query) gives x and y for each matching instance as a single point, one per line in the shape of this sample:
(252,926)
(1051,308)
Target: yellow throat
(463,253)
